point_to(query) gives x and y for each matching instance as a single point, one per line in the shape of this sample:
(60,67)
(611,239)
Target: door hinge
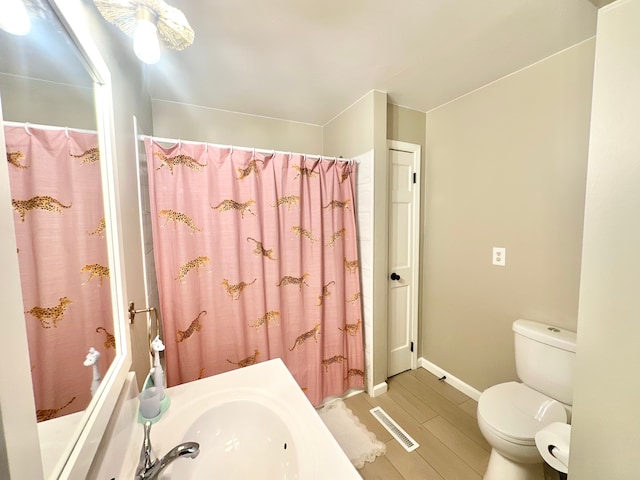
(412,346)
(414,177)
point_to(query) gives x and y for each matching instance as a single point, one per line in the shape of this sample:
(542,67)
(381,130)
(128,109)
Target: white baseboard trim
(379,389)
(455,382)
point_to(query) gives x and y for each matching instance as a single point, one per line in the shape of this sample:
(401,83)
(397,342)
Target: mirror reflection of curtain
(257,258)
(59,221)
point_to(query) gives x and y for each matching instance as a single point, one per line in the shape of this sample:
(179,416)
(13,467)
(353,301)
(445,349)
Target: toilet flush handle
(395,276)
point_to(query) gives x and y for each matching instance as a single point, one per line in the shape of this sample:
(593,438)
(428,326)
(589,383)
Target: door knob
(395,276)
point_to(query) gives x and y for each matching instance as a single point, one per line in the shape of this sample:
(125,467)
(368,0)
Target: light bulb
(14,18)
(145,41)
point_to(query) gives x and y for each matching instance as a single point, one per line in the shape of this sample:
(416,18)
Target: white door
(404,221)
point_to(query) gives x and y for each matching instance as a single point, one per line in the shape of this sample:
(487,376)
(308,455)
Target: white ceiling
(308,60)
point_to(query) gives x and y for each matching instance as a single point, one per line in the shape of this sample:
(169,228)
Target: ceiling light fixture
(14,18)
(145,40)
(151,24)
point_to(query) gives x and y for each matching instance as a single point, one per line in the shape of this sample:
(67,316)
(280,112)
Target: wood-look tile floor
(437,416)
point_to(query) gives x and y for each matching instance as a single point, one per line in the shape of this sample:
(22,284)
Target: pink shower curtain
(62,253)
(256,258)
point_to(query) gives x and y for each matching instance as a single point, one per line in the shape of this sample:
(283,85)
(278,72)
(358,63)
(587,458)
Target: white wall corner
(452,380)
(364,220)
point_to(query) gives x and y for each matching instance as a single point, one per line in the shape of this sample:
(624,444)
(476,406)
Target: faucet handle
(147,458)
(149,467)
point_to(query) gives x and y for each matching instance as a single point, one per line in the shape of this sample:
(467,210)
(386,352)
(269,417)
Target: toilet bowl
(509,416)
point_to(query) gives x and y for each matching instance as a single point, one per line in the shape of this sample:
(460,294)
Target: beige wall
(506,167)
(47,103)
(406,125)
(351,132)
(606,431)
(380,236)
(190,122)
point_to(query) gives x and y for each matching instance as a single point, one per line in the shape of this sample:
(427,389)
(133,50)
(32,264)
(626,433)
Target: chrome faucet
(150,467)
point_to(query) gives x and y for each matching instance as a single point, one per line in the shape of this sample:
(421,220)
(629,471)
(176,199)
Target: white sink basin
(254,422)
(244,438)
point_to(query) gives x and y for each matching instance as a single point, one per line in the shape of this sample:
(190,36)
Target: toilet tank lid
(547,334)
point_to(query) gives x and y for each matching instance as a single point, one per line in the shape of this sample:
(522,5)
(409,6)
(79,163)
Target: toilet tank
(545,357)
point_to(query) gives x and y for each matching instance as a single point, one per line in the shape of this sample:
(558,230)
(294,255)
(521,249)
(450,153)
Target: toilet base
(501,468)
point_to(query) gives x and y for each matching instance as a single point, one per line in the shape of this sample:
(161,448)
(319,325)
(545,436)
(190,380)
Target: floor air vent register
(394,429)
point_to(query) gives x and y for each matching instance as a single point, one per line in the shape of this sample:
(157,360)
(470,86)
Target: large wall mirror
(56,111)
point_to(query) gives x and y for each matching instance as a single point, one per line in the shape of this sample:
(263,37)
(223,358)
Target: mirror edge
(19,444)
(82,453)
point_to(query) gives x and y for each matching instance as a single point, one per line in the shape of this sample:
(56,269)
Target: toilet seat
(515,412)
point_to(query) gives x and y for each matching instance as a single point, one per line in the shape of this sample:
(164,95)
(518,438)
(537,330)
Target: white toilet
(510,414)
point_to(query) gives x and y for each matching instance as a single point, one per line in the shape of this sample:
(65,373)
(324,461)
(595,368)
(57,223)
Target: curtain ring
(206,147)
(253,155)
(66,132)
(26,129)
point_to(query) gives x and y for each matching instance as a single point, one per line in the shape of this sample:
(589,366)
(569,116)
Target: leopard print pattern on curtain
(60,226)
(294,294)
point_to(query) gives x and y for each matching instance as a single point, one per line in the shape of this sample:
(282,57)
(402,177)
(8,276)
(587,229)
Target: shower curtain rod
(246,149)
(28,125)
